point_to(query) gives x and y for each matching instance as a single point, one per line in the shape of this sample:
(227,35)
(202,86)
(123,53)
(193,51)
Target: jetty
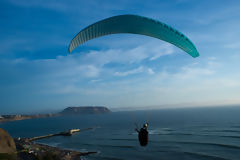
(65,133)
(28,149)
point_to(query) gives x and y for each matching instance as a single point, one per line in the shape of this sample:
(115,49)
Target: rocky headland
(67,111)
(85,110)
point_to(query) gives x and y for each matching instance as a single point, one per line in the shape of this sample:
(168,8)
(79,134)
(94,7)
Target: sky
(121,71)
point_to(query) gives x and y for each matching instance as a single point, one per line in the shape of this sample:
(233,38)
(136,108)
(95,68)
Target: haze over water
(188,134)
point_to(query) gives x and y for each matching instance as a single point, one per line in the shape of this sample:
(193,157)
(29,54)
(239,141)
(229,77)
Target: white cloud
(189,72)
(149,51)
(162,50)
(234,45)
(134,71)
(90,78)
(150,71)
(95,80)
(140,69)
(66,74)
(212,58)
(88,71)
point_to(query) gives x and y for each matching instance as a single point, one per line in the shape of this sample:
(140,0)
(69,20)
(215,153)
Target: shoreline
(27,149)
(10,118)
(82,110)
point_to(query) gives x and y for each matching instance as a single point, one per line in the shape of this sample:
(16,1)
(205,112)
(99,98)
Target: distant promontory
(67,111)
(85,110)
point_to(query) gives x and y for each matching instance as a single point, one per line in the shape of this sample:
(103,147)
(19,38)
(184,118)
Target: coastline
(28,149)
(9,118)
(31,150)
(69,111)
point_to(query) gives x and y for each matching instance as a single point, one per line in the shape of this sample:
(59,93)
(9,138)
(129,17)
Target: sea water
(186,134)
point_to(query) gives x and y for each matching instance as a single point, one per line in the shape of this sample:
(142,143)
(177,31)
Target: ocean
(174,134)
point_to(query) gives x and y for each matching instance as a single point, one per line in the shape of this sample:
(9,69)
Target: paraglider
(143,134)
(135,25)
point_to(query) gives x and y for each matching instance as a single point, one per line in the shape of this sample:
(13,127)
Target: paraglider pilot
(143,135)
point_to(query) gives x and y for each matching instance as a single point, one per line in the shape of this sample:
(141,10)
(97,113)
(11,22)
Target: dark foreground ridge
(85,110)
(26,149)
(7,144)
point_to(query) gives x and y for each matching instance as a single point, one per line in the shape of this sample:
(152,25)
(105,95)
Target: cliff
(85,110)
(7,144)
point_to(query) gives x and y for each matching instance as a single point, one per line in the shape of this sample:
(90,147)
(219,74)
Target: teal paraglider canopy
(136,25)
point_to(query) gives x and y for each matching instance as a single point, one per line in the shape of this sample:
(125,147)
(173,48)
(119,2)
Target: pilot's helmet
(145,125)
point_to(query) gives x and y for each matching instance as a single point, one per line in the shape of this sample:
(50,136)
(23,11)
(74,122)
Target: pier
(65,133)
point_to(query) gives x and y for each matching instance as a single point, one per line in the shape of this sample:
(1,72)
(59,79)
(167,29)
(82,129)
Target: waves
(221,132)
(172,143)
(204,156)
(231,137)
(109,145)
(109,158)
(211,144)
(116,140)
(187,143)
(123,139)
(194,155)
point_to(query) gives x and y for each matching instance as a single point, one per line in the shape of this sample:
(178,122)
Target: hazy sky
(124,70)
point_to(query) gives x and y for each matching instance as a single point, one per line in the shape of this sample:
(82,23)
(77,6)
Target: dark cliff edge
(7,144)
(85,110)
